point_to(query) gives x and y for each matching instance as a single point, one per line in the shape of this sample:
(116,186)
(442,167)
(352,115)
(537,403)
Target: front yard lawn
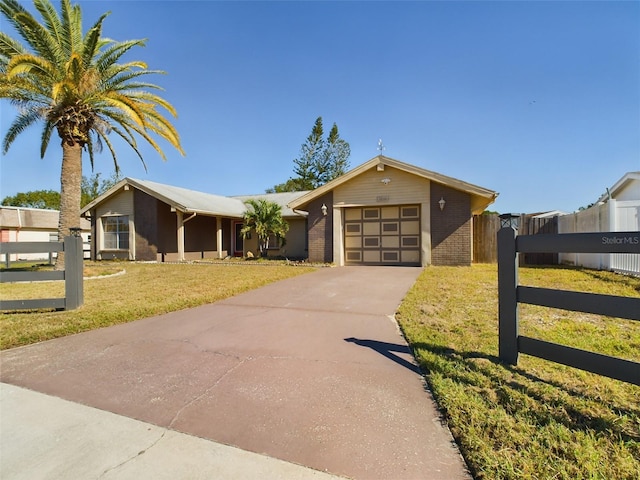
(539,420)
(143,290)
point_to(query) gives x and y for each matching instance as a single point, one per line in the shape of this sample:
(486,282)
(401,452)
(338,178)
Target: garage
(385,235)
(386,212)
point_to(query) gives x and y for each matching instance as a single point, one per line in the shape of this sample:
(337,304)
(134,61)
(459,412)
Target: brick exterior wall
(146,219)
(450,228)
(320,228)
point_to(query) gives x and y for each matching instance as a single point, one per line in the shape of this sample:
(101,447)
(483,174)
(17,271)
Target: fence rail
(511,294)
(72,274)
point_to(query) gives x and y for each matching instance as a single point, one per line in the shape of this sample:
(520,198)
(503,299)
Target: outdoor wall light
(324,209)
(441,202)
(386,181)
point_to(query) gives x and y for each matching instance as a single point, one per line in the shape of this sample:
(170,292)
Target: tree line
(91,188)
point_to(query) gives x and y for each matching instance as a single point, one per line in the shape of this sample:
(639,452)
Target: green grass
(143,290)
(538,420)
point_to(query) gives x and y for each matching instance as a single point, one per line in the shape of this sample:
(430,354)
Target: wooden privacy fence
(510,294)
(72,274)
(485,229)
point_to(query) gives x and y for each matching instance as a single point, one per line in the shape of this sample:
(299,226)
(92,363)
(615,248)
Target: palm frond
(45,137)
(50,17)
(92,42)
(119,75)
(25,119)
(9,47)
(115,51)
(38,37)
(28,63)
(127,105)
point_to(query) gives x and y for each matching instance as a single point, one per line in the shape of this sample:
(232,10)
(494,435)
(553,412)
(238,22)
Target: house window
(116,232)
(274,242)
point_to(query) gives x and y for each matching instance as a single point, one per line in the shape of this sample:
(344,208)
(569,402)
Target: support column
(180,217)
(219,236)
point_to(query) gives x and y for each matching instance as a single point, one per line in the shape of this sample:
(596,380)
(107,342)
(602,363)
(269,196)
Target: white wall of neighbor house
(116,206)
(26,235)
(612,216)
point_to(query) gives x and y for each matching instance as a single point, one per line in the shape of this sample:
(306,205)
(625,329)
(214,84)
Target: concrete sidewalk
(311,370)
(47,438)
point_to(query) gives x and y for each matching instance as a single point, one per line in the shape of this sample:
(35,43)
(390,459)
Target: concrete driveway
(311,370)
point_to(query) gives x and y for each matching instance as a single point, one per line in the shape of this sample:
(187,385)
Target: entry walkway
(310,374)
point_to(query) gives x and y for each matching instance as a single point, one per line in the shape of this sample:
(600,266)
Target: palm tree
(265,218)
(72,83)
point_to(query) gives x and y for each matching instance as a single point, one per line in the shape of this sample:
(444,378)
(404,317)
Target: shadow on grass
(559,403)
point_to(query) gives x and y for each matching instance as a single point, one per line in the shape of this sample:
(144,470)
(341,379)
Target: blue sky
(539,101)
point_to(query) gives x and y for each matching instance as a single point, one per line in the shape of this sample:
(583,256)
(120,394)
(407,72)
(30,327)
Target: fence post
(74,290)
(507,302)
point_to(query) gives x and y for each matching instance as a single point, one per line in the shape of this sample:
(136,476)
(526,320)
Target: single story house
(20,224)
(383,212)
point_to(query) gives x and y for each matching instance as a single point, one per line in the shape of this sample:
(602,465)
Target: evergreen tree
(335,161)
(310,158)
(320,161)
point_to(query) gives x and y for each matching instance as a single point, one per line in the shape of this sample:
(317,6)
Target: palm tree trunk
(70,190)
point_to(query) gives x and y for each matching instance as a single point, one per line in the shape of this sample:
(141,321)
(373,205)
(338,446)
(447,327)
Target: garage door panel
(371,256)
(353,242)
(410,227)
(410,212)
(371,242)
(390,242)
(351,229)
(371,228)
(389,212)
(390,256)
(412,241)
(390,228)
(353,214)
(410,256)
(354,256)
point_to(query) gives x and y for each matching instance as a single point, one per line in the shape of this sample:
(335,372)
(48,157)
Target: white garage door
(388,235)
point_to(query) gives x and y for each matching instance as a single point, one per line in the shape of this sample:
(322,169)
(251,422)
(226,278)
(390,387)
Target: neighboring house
(19,224)
(383,212)
(618,210)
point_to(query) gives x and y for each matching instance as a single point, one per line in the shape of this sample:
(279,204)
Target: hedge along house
(149,221)
(386,212)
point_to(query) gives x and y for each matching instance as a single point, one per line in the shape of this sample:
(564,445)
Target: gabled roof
(192,201)
(482,197)
(183,199)
(620,185)
(33,218)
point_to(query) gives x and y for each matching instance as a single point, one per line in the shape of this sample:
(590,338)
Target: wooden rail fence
(72,274)
(511,294)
